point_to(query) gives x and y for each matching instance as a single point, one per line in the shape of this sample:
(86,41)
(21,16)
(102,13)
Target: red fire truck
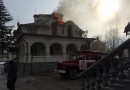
(77,62)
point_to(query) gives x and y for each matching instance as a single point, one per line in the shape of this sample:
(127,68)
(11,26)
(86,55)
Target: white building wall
(43,31)
(47,42)
(61,38)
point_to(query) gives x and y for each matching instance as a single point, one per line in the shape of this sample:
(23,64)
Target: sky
(23,10)
(91,15)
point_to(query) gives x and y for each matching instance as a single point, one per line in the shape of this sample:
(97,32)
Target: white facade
(46,40)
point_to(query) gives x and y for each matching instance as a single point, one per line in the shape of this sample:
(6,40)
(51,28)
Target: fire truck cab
(77,62)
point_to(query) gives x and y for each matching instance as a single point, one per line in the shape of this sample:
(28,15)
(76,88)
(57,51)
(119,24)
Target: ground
(47,81)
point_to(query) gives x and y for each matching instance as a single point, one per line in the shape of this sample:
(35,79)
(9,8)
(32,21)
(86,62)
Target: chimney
(36,17)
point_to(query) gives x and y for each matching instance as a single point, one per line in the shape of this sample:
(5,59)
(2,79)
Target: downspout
(26,55)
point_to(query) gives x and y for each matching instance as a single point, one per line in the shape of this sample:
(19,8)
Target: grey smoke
(83,13)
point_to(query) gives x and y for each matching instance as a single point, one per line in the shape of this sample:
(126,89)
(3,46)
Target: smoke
(85,14)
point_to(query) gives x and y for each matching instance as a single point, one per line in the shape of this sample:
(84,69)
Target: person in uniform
(12,75)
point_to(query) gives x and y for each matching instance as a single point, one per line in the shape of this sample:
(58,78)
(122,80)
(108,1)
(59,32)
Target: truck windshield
(72,57)
(76,57)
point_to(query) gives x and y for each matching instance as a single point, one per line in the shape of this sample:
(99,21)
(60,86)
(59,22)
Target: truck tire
(72,73)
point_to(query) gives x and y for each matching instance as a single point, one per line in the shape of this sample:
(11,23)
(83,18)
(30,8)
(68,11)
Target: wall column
(29,54)
(47,53)
(64,52)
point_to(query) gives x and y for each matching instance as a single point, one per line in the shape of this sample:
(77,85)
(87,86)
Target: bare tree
(112,38)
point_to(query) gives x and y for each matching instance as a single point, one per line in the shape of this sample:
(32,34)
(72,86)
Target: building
(46,41)
(98,46)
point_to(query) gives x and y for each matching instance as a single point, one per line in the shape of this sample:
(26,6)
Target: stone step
(125,82)
(117,86)
(107,88)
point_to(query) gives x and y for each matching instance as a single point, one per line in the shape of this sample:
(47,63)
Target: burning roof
(58,18)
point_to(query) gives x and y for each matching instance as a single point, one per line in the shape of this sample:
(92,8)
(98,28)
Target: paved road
(49,81)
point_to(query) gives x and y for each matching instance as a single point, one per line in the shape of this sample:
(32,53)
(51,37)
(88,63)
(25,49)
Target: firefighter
(12,75)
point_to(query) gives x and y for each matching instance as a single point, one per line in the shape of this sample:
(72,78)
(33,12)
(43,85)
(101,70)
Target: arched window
(56,49)
(70,31)
(38,49)
(54,28)
(71,48)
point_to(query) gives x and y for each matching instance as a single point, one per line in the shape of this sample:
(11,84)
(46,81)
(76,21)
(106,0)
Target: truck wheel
(73,73)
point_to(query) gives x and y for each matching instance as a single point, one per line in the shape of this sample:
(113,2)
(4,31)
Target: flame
(58,19)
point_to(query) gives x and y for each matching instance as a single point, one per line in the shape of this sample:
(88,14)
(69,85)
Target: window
(38,49)
(70,31)
(56,49)
(62,30)
(32,31)
(54,28)
(71,48)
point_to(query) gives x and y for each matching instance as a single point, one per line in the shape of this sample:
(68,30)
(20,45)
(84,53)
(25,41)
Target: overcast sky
(23,10)
(87,14)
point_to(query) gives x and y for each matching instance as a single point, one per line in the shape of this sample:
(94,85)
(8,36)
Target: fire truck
(77,62)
